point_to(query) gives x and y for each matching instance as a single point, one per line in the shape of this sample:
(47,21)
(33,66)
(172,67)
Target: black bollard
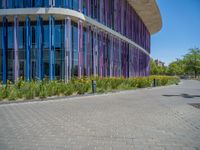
(94,86)
(154,82)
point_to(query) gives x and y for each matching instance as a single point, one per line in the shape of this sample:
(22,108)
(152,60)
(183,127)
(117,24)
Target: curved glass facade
(46,46)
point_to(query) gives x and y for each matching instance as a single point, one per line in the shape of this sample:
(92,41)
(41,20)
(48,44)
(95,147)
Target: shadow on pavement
(183,95)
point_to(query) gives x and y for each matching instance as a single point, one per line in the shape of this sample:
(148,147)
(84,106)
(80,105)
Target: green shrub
(46,88)
(68,89)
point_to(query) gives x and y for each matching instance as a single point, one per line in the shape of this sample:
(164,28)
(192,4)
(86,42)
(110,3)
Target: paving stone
(147,119)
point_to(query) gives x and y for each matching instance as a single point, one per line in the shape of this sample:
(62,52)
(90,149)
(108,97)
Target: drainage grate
(196,105)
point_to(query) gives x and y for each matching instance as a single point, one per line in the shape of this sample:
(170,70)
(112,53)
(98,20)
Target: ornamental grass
(23,90)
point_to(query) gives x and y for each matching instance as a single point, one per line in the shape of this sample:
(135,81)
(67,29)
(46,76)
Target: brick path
(148,119)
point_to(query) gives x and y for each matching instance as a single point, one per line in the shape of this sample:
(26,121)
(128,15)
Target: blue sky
(180,31)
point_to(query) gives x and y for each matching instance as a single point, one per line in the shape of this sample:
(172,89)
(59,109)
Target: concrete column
(16,49)
(95,52)
(68,49)
(111,56)
(80,49)
(80,5)
(89,51)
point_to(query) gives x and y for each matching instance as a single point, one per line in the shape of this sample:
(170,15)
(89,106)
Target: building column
(111,56)
(89,46)
(16,49)
(28,49)
(68,49)
(80,49)
(88,8)
(80,5)
(4,48)
(101,58)
(95,52)
(120,57)
(39,43)
(51,48)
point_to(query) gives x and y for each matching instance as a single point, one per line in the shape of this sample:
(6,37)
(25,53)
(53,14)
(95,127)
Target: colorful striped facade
(61,39)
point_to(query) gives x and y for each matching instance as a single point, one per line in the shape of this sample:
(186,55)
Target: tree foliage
(188,65)
(192,62)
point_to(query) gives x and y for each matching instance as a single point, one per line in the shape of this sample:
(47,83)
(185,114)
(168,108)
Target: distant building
(159,63)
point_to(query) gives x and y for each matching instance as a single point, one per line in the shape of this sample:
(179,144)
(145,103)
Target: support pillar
(89,51)
(89,8)
(95,52)
(39,43)
(80,5)
(4,48)
(68,49)
(28,49)
(111,56)
(51,48)
(80,49)
(16,49)
(101,58)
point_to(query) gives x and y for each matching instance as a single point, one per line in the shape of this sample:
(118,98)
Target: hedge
(42,89)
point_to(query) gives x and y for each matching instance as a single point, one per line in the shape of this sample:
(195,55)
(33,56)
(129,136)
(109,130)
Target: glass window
(84,7)
(10,4)
(38,3)
(58,3)
(75,4)
(10,37)
(21,37)
(59,50)
(46,50)
(46,3)
(74,49)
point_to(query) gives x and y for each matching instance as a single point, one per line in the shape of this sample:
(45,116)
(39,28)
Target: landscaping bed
(23,90)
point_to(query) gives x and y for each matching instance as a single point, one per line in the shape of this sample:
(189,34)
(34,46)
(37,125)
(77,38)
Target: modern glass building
(60,39)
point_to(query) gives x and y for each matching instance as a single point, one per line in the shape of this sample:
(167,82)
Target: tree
(176,68)
(154,69)
(192,62)
(157,70)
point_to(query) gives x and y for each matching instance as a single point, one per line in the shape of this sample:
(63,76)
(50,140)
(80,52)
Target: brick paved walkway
(149,119)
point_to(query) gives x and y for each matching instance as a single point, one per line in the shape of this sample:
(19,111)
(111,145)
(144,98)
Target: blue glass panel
(46,35)
(10,4)
(10,38)
(46,3)
(20,37)
(75,4)
(58,37)
(39,3)
(27,3)
(58,3)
